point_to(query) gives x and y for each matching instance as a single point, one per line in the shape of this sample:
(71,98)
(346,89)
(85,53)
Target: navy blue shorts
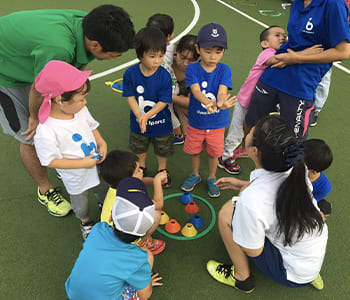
(270,263)
(295,111)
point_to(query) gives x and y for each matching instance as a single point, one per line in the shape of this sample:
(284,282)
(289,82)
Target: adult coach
(276,223)
(293,80)
(29,39)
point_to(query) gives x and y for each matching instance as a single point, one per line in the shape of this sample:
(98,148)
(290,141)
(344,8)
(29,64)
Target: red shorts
(212,139)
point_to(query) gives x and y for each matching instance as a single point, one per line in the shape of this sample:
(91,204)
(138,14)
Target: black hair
(265,33)
(125,237)
(85,88)
(118,165)
(187,43)
(317,155)
(111,27)
(295,211)
(163,22)
(149,38)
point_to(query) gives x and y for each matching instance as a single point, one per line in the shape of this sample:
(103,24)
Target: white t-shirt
(255,218)
(70,139)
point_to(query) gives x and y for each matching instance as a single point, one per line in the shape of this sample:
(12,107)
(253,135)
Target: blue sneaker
(214,191)
(191,182)
(178,140)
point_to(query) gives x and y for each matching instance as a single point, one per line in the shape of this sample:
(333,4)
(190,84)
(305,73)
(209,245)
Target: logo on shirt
(215,33)
(308,27)
(210,96)
(143,104)
(87,149)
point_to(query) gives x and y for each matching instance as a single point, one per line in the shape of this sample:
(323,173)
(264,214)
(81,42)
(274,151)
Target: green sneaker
(225,274)
(55,203)
(318,283)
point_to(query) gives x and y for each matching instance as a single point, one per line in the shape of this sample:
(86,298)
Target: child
(67,138)
(110,263)
(208,111)
(147,87)
(165,24)
(270,40)
(121,164)
(318,157)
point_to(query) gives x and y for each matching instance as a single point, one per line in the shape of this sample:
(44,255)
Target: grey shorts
(163,145)
(14,111)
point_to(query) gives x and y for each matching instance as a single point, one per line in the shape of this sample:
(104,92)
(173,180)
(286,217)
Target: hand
(32,125)
(88,162)
(143,122)
(155,280)
(102,151)
(228,103)
(286,59)
(316,49)
(211,107)
(226,183)
(162,176)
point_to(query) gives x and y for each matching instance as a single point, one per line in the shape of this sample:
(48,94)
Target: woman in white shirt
(275,223)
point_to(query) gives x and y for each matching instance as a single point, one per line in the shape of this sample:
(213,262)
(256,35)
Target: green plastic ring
(203,233)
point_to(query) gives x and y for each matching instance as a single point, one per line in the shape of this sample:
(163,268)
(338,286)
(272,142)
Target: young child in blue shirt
(148,89)
(208,111)
(318,157)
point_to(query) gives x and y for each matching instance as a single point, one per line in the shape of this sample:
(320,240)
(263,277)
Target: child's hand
(102,152)
(143,122)
(88,162)
(155,279)
(211,107)
(161,176)
(228,103)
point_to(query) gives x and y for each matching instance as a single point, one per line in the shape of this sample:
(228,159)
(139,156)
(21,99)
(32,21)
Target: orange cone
(192,208)
(172,226)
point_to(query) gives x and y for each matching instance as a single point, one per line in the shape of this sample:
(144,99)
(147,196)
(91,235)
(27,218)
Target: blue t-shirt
(322,22)
(148,91)
(321,187)
(105,267)
(198,115)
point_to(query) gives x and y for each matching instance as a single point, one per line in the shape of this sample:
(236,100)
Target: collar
(82,56)
(300,5)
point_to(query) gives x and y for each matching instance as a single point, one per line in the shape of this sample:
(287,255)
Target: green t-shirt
(30,39)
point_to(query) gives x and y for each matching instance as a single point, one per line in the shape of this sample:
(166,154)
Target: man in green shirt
(30,39)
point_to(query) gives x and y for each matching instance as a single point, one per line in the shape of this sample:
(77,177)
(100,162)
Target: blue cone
(197,221)
(186,198)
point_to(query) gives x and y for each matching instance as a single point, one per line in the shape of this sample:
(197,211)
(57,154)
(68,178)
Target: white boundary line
(135,61)
(336,64)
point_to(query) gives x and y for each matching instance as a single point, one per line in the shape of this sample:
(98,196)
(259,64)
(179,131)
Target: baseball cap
(133,210)
(212,35)
(56,78)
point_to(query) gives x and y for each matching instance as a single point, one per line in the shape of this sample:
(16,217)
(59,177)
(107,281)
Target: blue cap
(212,35)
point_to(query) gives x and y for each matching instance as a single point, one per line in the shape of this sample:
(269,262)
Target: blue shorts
(270,263)
(297,112)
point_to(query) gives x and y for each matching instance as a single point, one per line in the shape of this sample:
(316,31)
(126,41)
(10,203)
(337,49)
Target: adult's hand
(231,183)
(32,125)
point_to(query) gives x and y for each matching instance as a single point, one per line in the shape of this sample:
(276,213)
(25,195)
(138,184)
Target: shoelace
(224,269)
(55,196)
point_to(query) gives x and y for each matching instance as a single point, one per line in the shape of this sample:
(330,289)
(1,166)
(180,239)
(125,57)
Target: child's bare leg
(196,162)
(142,159)
(162,162)
(213,165)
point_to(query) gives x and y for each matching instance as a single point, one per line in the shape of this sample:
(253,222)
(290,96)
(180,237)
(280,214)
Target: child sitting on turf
(121,164)
(208,111)
(111,265)
(166,25)
(270,40)
(148,89)
(318,157)
(67,137)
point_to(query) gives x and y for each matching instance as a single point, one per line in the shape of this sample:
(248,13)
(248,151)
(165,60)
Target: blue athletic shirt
(322,22)
(321,187)
(198,115)
(106,266)
(148,91)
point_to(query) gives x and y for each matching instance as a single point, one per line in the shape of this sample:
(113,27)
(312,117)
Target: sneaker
(229,165)
(86,228)
(55,203)
(239,152)
(167,184)
(178,140)
(313,122)
(156,246)
(225,274)
(191,182)
(214,191)
(318,283)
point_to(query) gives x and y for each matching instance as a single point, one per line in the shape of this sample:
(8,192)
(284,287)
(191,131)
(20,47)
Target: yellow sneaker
(55,203)
(318,283)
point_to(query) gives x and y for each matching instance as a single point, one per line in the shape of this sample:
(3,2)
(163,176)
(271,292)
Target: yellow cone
(164,218)
(189,230)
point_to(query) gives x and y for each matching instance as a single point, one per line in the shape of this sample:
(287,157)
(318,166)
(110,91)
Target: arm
(134,107)
(155,109)
(101,144)
(87,162)
(181,100)
(223,98)
(338,53)
(158,197)
(225,183)
(199,96)
(148,181)
(146,293)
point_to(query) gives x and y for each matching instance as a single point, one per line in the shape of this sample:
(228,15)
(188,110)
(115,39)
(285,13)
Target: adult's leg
(239,259)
